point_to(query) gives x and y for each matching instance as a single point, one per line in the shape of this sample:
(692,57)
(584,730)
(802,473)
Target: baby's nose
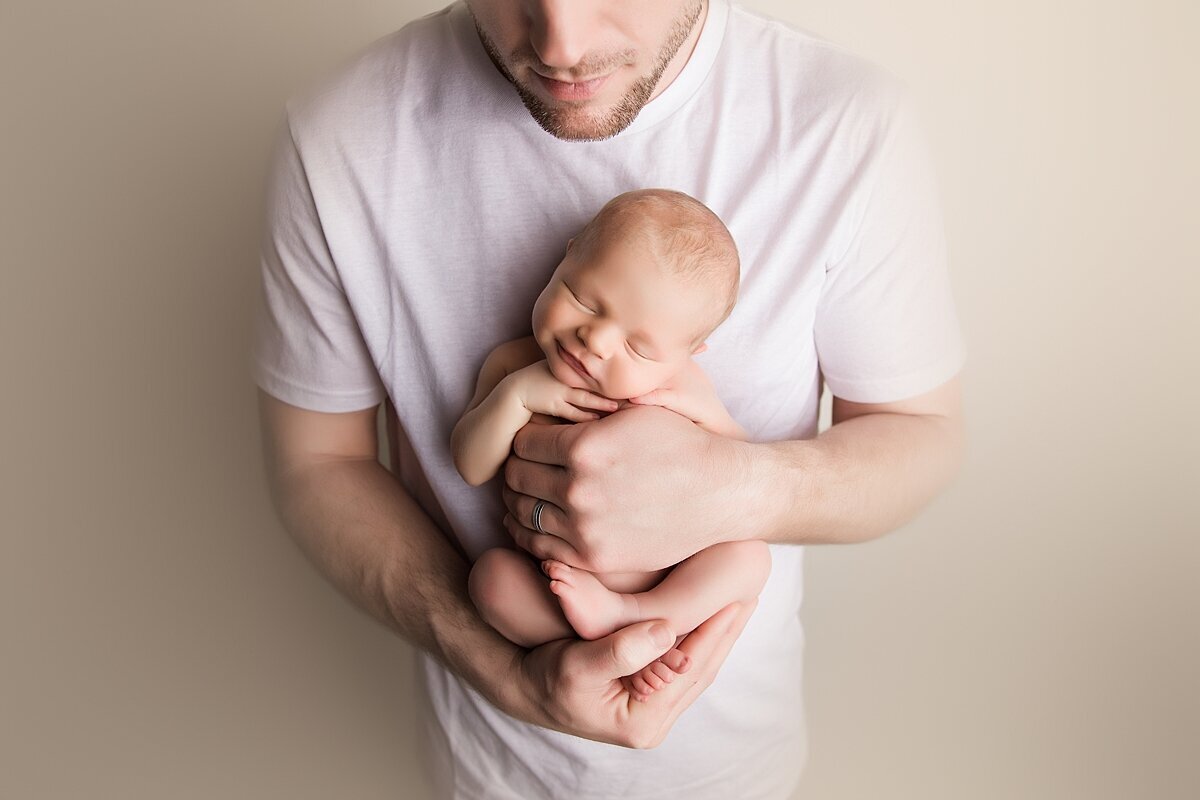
(599,339)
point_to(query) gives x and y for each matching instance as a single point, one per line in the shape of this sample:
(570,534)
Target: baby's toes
(676,661)
(556,570)
(652,679)
(662,671)
(639,684)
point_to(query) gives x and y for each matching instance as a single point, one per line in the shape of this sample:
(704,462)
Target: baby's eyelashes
(636,353)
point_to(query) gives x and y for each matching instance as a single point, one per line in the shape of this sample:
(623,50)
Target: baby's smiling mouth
(572,361)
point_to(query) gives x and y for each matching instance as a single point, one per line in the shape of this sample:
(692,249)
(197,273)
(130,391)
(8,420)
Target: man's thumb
(632,648)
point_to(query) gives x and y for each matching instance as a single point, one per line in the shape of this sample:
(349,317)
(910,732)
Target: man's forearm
(371,539)
(860,479)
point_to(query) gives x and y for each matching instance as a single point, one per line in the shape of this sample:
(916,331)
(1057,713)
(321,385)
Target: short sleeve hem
(900,387)
(315,399)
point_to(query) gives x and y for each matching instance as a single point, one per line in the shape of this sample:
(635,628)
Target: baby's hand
(691,394)
(542,393)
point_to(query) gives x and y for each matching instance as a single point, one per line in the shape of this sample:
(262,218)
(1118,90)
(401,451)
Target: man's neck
(676,65)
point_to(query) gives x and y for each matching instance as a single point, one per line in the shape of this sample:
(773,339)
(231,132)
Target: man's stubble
(574,123)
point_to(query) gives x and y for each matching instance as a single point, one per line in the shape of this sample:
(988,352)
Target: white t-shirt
(416,211)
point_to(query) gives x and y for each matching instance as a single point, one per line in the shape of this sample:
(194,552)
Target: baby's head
(639,290)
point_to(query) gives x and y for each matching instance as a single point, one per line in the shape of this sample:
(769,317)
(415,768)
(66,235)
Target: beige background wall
(1033,635)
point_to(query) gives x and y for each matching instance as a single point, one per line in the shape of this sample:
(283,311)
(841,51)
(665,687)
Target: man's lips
(579,90)
(572,361)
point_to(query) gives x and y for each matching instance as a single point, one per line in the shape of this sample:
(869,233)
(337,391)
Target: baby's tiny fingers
(581,397)
(568,411)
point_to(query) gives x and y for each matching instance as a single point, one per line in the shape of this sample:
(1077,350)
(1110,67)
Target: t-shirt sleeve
(308,349)
(886,327)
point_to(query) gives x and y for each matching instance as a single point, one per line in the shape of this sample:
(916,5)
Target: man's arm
(361,529)
(371,539)
(875,468)
(869,473)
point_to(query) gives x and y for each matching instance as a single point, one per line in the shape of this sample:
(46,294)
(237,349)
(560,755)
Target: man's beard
(575,123)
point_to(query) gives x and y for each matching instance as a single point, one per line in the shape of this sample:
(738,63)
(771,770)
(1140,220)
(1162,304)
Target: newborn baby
(634,298)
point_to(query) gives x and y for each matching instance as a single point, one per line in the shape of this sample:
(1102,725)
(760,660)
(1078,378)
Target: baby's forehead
(675,271)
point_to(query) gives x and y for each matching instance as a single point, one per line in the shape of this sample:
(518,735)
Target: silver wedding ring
(537,515)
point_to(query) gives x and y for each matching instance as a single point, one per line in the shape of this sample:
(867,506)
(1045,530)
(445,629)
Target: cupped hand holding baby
(576,686)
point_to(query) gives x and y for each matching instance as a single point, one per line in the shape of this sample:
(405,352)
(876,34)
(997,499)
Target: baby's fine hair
(682,233)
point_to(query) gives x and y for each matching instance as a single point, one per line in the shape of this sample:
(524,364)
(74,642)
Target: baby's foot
(654,676)
(592,608)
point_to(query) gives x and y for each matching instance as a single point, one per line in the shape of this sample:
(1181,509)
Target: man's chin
(580,122)
(581,127)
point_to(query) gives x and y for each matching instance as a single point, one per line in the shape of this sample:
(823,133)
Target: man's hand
(575,686)
(639,490)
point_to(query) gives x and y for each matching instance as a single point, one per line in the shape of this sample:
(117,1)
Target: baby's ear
(703,346)
(570,242)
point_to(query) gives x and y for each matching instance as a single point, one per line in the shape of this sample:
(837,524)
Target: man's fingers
(553,520)
(545,444)
(626,651)
(535,479)
(540,545)
(707,647)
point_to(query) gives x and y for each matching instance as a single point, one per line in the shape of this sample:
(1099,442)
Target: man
(417,206)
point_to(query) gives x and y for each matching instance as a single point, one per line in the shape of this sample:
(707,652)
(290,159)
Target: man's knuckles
(595,449)
(579,498)
(582,454)
(512,476)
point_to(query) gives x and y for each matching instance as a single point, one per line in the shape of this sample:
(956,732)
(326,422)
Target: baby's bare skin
(616,326)
(516,600)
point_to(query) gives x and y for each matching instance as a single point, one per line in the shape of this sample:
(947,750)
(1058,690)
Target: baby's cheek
(633,382)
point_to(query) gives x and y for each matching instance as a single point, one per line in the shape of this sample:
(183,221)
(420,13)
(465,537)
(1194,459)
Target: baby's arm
(506,397)
(691,394)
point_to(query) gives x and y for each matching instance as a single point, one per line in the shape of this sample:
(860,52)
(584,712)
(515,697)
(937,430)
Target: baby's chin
(569,377)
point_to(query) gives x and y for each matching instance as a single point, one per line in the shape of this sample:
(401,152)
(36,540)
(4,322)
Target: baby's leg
(707,582)
(692,591)
(514,598)
(695,590)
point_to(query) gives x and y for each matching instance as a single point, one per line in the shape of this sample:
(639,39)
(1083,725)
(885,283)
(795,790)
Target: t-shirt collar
(692,76)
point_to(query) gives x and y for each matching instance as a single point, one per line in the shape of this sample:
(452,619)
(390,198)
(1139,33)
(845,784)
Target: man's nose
(560,31)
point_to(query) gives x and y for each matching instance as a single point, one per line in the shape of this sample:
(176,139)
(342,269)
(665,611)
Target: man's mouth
(578,90)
